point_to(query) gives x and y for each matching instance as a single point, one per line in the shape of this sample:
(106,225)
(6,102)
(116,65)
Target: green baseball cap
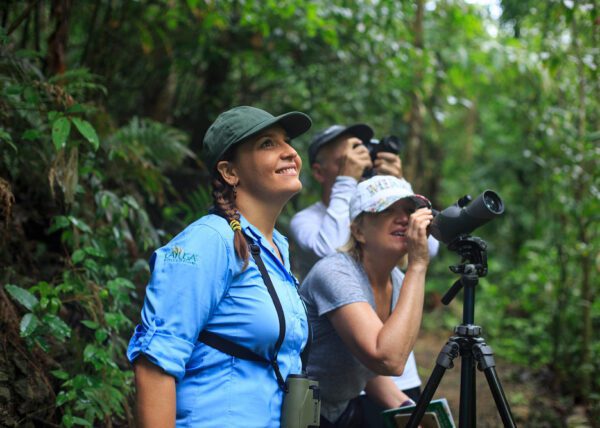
(239,123)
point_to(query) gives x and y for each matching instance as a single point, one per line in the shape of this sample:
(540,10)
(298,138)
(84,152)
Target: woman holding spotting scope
(365,312)
(207,289)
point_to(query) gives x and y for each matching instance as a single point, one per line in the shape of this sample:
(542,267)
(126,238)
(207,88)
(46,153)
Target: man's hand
(388,164)
(356,159)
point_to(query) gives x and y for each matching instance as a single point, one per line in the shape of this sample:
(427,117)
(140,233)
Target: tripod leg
(485,359)
(443,362)
(467,415)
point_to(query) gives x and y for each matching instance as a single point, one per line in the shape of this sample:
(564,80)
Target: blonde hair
(352,247)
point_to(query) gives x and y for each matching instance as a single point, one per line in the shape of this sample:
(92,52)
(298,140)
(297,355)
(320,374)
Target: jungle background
(103,107)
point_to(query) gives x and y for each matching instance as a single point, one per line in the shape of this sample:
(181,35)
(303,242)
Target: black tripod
(466,342)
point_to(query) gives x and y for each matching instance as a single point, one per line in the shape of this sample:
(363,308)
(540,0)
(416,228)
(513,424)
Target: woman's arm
(155,395)
(385,347)
(383,391)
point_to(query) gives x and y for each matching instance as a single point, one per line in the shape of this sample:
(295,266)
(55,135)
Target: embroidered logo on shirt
(178,255)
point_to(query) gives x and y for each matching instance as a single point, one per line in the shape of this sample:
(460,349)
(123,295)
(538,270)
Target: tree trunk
(91,33)
(57,43)
(580,192)
(23,16)
(562,289)
(415,136)
(587,367)
(596,56)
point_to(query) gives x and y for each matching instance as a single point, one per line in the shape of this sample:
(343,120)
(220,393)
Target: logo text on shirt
(178,255)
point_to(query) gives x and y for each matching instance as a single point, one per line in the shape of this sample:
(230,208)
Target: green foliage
(142,151)
(97,221)
(98,167)
(194,207)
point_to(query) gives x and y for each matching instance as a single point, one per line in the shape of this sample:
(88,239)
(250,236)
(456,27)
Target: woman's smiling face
(267,166)
(385,231)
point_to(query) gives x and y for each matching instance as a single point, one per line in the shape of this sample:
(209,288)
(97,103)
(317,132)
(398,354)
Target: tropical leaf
(88,131)
(22,296)
(60,132)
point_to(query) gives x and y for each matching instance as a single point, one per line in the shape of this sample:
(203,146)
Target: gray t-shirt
(335,281)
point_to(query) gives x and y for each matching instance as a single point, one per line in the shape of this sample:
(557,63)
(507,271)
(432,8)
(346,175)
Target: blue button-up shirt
(198,284)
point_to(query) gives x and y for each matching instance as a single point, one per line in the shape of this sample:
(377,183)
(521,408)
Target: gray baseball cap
(359,130)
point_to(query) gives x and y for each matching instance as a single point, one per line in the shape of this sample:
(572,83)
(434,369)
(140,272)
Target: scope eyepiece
(493,202)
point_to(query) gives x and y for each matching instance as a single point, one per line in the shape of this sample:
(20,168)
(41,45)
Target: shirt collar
(249,229)
(280,240)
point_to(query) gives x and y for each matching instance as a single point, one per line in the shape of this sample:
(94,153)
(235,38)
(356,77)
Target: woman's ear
(227,171)
(357,232)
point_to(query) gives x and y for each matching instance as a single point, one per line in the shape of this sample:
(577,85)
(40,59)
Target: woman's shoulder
(334,265)
(334,281)
(205,232)
(334,260)
(210,224)
(210,220)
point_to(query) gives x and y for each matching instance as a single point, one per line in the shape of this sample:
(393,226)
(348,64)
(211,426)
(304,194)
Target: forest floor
(531,402)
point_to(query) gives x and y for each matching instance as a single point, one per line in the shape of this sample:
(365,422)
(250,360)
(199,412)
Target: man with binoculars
(340,157)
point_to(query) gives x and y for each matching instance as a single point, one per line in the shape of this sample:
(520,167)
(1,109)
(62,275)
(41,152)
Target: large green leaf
(90,324)
(60,374)
(81,421)
(58,222)
(60,132)
(77,256)
(80,224)
(96,252)
(58,328)
(28,324)
(24,297)
(7,138)
(88,131)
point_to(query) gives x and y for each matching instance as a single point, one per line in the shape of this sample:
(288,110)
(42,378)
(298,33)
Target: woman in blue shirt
(204,280)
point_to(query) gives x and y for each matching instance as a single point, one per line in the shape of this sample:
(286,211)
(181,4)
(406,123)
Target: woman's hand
(418,250)
(383,391)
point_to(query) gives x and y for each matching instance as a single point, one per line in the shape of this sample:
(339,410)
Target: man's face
(331,157)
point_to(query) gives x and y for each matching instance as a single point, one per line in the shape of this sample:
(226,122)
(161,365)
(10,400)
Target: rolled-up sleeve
(189,277)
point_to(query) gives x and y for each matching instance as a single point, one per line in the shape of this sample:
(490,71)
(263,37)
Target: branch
(21,17)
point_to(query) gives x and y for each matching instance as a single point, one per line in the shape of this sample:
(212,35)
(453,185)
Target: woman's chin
(286,192)
(397,250)
(295,187)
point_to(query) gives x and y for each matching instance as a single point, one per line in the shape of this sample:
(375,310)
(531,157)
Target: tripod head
(473,263)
